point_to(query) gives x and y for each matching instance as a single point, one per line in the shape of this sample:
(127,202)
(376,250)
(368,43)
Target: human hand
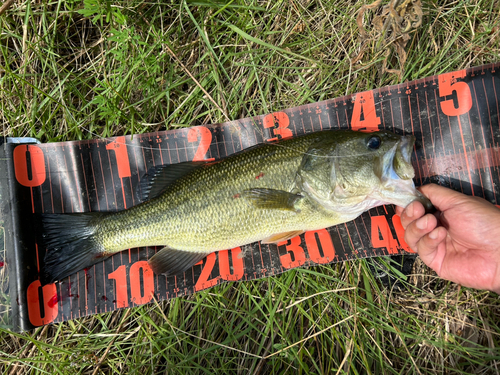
(461,242)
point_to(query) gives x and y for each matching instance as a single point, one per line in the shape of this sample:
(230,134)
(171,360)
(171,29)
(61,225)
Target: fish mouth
(395,164)
(401,162)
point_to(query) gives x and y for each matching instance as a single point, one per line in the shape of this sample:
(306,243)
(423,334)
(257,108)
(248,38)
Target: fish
(268,193)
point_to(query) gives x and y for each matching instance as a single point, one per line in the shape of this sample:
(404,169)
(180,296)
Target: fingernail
(409,210)
(434,234)
(422,223)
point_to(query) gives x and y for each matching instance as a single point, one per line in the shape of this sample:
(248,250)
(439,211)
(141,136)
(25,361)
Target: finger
(411,213)
(419,228)
(432,249)
(442,198)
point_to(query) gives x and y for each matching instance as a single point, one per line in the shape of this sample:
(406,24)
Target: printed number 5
(448,85)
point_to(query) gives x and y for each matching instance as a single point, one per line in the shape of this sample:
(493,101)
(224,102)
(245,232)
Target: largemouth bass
(269,193)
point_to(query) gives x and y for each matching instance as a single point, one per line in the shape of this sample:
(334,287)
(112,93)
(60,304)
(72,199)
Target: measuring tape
(454,116)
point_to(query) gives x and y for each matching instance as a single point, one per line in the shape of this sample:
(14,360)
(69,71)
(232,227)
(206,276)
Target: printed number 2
(205,141)
(447,85)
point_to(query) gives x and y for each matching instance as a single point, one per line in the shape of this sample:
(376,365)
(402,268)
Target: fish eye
(374,142)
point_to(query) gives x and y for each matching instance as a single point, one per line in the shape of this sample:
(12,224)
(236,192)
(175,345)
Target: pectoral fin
(272,199)
(174,262)
(278,237)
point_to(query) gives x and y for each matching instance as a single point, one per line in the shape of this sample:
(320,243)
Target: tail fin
(70,243)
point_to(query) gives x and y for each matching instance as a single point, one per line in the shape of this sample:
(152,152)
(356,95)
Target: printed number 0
(49,292)
(448,85)
(36,165)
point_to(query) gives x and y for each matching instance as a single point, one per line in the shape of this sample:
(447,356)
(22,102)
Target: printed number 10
(140,293)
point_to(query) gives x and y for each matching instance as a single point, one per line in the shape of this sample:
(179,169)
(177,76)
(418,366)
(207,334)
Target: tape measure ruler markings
(101,175)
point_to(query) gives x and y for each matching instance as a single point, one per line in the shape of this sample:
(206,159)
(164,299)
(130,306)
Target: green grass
(78,70)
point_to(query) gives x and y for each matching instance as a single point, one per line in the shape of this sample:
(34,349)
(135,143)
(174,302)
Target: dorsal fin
(157,179)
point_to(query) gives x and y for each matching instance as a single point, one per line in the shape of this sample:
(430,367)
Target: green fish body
(269,193)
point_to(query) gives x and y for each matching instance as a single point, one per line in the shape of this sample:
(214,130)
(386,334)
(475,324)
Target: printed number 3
(281,119)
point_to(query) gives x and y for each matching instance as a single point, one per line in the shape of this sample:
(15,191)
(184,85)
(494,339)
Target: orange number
(365,104)
(36,164)
(281,119)
(147,282)
(121,153)
(326,244)
(447,85)
(400,232)
(203,282)
(49,302)
(120,277)
(225,271)
(206,139)
(293,248)
(382,235)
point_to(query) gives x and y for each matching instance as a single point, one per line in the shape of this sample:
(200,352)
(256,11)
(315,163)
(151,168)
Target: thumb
(441,197)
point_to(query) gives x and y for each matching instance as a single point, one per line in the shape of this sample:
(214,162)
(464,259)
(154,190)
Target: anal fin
(174,262)
(278,237)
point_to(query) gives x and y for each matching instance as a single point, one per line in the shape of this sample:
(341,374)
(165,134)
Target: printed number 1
(120,148)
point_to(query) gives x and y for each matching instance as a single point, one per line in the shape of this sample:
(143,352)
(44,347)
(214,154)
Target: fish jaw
(402,159)
(397,186)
